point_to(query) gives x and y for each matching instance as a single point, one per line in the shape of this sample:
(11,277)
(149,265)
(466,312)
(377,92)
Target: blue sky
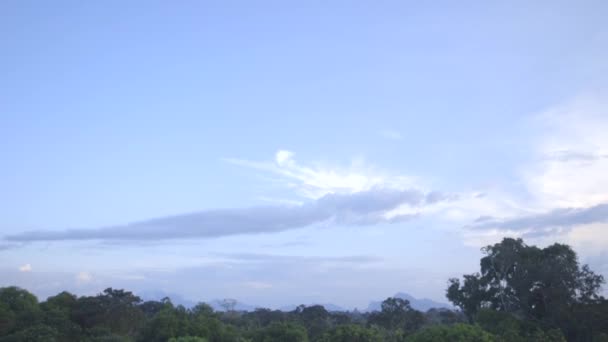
(296,152)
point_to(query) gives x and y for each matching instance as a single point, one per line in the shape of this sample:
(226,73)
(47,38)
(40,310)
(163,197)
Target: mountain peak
(422,304)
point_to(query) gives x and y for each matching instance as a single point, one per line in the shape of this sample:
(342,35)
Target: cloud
(361,208)
(257,285)
(316,181)
(572,165)
(7,246)
(574,156)
(566,183)
(391,134)
(564,218)
(25,268)
(292,259)
(84,278)
(287,244)
(283,157)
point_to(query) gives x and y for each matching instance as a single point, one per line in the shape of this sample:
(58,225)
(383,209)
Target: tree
(281,332)
(151,308)
(396,313)
(187,339)
(202,309)
(262,317)
(18,309)
(117,310)
(526,281)
(443,316)
(352,333)
(453,333)
(34,333)
(543,286)
(57,312)
(7,319)
(228,304)
(165,325)
(471,296)
(315,319)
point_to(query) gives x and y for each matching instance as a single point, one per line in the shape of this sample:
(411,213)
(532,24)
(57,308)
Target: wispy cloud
(566,184)
(257,285)
(315,181)
(8,246)
(572,168)
(280,258)
(567,156)
(391,134)
(360,208)
(564,218)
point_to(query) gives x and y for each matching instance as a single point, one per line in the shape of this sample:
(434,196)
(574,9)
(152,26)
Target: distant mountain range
(422,304)
(159,295)
(218,305)
(327,306)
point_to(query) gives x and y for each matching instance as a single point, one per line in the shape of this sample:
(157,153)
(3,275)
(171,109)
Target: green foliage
(57,313)
(103,334)
(281,332)
(527,281)
(470,296)
(19,309)
(443,316)
(7,319)
(521,294)
(546,286)
(116,310)
(397,314)
(187,339)
(509,328)
(169,322)
(453,333)
(352,333)
(34,333)
(315,318)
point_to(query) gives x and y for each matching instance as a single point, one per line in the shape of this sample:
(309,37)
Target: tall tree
(527,282)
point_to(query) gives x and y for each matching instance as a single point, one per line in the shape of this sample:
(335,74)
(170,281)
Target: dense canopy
(522,293)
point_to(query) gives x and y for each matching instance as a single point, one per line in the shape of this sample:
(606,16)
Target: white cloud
(391,134)
(283,157)
(313,181)
(591,238)
(84,277)
(566,184)
(25,268)
(572,170)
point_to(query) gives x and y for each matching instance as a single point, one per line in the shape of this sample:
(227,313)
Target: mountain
(328,306)
(159,295)
(219,305)
(423,304)
(419,304)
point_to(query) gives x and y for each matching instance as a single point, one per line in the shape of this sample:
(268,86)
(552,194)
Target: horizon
(296,153)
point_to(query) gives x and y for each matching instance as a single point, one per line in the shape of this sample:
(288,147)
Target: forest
(521,293)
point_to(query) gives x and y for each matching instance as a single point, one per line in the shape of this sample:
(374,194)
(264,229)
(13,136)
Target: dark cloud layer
(7,246)
(556,219)
(361,208)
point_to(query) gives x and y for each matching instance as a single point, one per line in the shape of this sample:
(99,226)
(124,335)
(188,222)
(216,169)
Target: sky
(287,152)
